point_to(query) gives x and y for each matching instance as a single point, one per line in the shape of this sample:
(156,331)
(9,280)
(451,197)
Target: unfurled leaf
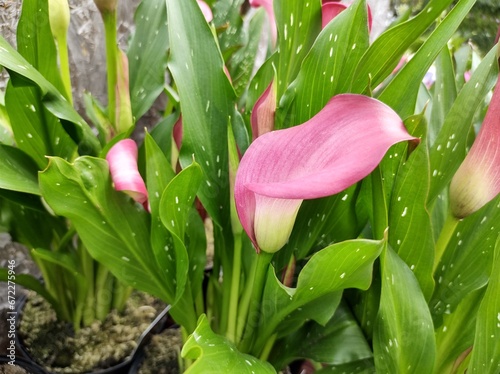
(294,42)
(327,273)
(214,354)
(410,225)
(18,172)
(113,228)
(339,342)
(486,349)
(328,68)
(403,340)
(147,55)
(23,74)
(386,51)
(401,93)
(197,67)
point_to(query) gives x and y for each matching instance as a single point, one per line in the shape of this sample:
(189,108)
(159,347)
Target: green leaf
(486,349)
(329,66)
(159,173)
(449,149)
(228,21)
(294,41)
(337,267)
(401,93)
(36,43)
(403,340)
(207,101)
(339,342)
(242,62)
(18,172)
(445,93)
(456,336)
(386,51)
(410,227)
(22,74)
(37,132)
(321,222)
(176,205)
(260,82)
(114,229)
(467,260)
(215,354)
(147,55)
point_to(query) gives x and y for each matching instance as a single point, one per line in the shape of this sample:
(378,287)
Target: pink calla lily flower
(205,9)
(122,160)
(336,148)
(262,119)
(477,180)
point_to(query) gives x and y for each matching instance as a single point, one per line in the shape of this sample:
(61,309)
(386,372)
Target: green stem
(62,47)
(235,290)
(109,19)
(88,272)
(121,293)
(380,217)
(444,238)
(267,348)
(104,287)
(245,301)
(183,312)
(253,319)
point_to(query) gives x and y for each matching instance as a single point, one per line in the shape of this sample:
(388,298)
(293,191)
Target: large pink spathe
(477,180)
(336,148)
(122,160)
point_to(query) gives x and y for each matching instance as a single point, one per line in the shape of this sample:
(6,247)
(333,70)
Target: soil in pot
(57,347)
(161,354)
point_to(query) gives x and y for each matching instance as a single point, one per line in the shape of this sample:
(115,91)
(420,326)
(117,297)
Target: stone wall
(85,41)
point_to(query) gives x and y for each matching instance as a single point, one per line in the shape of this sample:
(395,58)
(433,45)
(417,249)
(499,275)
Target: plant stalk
(444,238)
(109,19)
(62,48)
(257,287)
(235,288)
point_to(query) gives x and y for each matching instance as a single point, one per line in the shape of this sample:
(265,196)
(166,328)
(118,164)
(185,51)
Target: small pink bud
(262,118)
(477,180)
(122,160)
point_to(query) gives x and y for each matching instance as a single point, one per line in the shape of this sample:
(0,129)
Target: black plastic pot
(140,356)
(123,367)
